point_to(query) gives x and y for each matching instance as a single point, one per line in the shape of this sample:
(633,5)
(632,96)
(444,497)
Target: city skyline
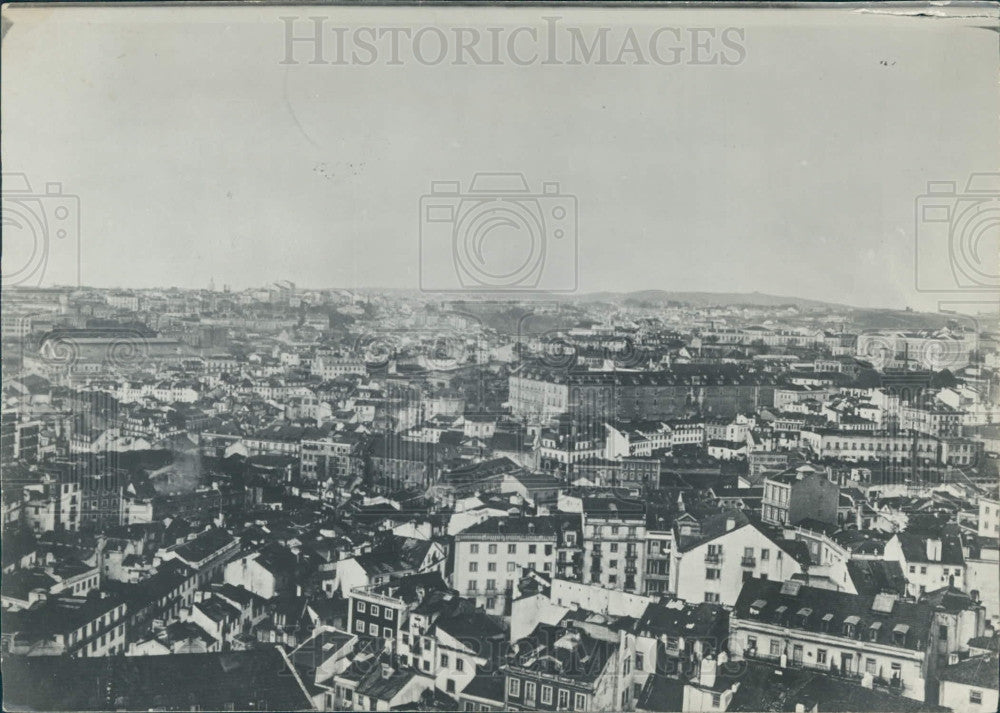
(226,162)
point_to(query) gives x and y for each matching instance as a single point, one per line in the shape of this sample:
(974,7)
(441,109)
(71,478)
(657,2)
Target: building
(715,565)
(928,562)
(614,543)
(799,494)
(988,524)
(971,686)
(563,668)
(490,556)
(880,640)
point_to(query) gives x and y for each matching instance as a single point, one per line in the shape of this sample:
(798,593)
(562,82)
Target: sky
(791,160)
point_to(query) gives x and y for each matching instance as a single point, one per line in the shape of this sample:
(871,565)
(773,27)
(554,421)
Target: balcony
(750,561)
(713,557)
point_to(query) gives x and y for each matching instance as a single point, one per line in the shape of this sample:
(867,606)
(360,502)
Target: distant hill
(708,299)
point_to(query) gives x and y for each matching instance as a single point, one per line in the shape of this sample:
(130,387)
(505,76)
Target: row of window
(375,610)
(514,689)
(492,566)
(359,626)
(511,549)
(775,648)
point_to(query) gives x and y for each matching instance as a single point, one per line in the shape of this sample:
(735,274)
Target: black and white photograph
(500,356)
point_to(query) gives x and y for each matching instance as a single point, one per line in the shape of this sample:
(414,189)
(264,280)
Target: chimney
(706,675)
(386,671)
(934,549)
(730,523)
(800,708)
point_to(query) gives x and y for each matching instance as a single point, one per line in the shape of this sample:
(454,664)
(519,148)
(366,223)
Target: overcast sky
(791,166)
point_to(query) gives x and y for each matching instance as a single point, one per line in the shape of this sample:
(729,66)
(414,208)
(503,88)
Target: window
(386,632)
(579,701)
(444,660)
(491,549)
(514,686)
(473,566)
(716,699)
(975,696)
(913,569)
(491,566)
(775,647)
(450,685)
(712,573)
(373,629)
(547,694)
(512,549)
(511,566)
(473,549)
(388,613)
(614,546)
(359,626)
(923,570)
(563,700)
(529,690)
(491,585)
(459,664)
(532,549)
(870,666)
(639,663)
(613,564)
(491,602)
(361,606)
(426,665)
(375,610)
(821,656)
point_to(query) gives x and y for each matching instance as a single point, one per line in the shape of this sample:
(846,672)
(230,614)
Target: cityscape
(323,499)
(498,357)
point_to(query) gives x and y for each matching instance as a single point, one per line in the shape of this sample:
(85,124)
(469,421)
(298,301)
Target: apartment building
(875,639)
(795,495)
(928,563)
(614,543)
(490,556)
(562,668)
(728,551)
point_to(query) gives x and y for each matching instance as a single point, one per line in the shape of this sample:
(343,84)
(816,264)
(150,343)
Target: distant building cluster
(294,499)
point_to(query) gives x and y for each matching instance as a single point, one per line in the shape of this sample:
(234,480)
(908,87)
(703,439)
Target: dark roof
(982,672)
(875,576)
(204,545)
(544,527)
(488,686)
(548,651)
(661,694)
(472,627)
(256,679)
(805,608)
(689,621)
(915,549)
(768,688)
